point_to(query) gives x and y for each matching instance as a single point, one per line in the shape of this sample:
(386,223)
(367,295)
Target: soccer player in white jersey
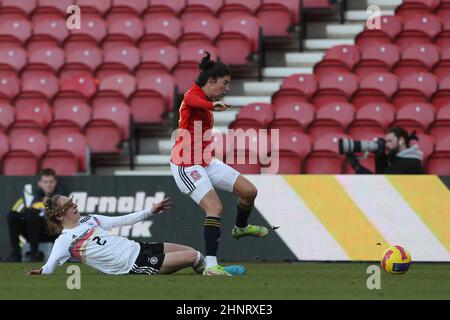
(87,239)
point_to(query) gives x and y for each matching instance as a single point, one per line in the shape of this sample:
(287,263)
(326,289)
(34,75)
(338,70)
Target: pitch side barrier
(313,217)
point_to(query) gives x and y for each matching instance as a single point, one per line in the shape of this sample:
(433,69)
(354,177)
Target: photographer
(28,219)
(393,155)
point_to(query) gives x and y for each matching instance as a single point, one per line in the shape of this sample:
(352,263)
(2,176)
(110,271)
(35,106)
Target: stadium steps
(385,4)
(344,30)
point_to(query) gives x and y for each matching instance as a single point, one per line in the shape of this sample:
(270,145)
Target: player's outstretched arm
(109,223)
(60,254)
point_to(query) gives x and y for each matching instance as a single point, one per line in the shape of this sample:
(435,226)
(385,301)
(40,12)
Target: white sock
(211,261)
(197,260)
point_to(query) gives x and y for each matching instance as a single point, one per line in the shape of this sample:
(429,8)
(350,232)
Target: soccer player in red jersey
(198,174)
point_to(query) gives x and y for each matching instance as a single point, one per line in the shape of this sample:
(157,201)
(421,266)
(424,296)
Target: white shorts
(196,181)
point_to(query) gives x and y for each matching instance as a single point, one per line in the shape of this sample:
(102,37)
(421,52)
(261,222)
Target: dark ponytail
(211,69)
(402,133)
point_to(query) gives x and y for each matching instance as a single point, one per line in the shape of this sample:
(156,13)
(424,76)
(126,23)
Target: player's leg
(199,264)
(195,182)
(175,261)
(246,192)
(212,206)
(226,178)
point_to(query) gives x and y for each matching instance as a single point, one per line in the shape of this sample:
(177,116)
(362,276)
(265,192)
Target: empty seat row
(370,121)
(421,57)
(25,154)
(296,153)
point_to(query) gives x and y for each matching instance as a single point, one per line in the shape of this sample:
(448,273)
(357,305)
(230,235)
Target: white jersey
(91,243)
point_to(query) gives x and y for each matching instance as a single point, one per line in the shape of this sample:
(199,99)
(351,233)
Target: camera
(347,146)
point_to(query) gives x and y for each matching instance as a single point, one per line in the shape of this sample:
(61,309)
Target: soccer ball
(396,259)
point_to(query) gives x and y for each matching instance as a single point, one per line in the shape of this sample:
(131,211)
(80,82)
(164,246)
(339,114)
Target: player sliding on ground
(87,240)
(197,175)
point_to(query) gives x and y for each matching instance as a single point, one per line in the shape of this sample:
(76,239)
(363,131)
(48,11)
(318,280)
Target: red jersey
(196,117)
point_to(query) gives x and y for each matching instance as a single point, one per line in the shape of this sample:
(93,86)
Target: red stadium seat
(163,31)
(49,29)
(186,71)
(51,58)
(417,87)
(13,58)
(135,6)
(82,59)
(112,108)
(238,40)
(15,30)
(412,8)
(7,115)
(377,58)
(153,97)
(40,82)
(291,150)
(275,17)
(417,58)
(294,117)
(123,27)
(80,82)
(93,29)
(377,87)
(331,118)
(299,144)
(234,8)
(123,84)
(296,88)
(439,160)
(443,10)
(245,166)
(36,143)
(382,34)
(419,29)
(66,154)
(108,127)
(97,6)
(442,40)
(157,59)
(20,163)
(20,6)
(33,113)
(206,28)
(441,97)
(371,120)
(163,8)
(9,84)
(415,116)
(440,128)
(197,9)
(442,68)
(324,159)
(338,87)
(338,59)
(254,115)
(71,115)
(51,5)
(194,51)
(4,145)
(119,61)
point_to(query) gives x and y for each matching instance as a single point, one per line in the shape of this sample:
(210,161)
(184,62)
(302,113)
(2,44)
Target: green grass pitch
(285,281)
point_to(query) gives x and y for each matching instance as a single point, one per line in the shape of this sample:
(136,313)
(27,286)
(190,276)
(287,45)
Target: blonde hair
(52,211)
